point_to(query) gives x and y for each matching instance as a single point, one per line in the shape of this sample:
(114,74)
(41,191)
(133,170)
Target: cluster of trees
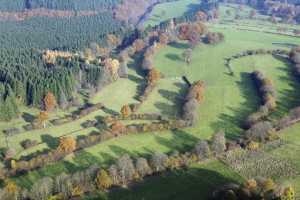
(192,100)
(260,132)
(192,32)
(267,91)
(28,79)
(123,172)
(290,119)
(214,37)
(259,188)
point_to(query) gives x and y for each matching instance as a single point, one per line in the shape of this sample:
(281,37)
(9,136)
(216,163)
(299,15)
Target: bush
(26,144)
(218,142)
(260,132)
(214,38)
(202,150)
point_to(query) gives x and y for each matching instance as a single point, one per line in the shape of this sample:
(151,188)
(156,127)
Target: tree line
(19,5)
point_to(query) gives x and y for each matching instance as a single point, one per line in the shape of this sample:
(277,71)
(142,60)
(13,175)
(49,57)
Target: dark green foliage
(23,74)
(58,33)
(71,4)
(18,5)
(8,105)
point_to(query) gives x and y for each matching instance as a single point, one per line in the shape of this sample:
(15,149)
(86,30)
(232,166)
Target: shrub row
(268,95)
(193,98)
(258,188)
(82,112)
(133,116)
(292,118)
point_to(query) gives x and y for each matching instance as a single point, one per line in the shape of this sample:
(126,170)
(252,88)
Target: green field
(169,10)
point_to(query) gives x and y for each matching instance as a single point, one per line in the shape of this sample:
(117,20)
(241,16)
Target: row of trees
(267,91)
(258,188)
(20,5)
(123,172)
(193,98)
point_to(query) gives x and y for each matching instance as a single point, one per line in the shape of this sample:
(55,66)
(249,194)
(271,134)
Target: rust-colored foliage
(153,76)
(117,127)
(49,102)
(125,111)
(67,144)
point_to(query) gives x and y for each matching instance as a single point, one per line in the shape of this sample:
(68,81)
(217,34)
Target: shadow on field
(52,142)
(172,110)
(285,44)
(179,45)
(290,98)
(174,57)
(232,124)
(28,117)
(180,140)
(191,183)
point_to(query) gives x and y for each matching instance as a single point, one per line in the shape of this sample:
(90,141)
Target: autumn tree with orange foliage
(117,127)
(50,102)
(196,91)
(125,111)
(42,118)
(187,30)
(153,76)
(67,144)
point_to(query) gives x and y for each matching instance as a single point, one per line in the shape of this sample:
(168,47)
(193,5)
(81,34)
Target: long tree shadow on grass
(179,45)
(172,110)
(289,98)
(180,141)
(28,117)
(191,183)
(52,142)
(174,57)
(233,124)
(136,65)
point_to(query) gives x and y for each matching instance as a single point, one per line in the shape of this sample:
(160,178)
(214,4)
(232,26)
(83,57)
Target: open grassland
(195,182)
(169,10)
